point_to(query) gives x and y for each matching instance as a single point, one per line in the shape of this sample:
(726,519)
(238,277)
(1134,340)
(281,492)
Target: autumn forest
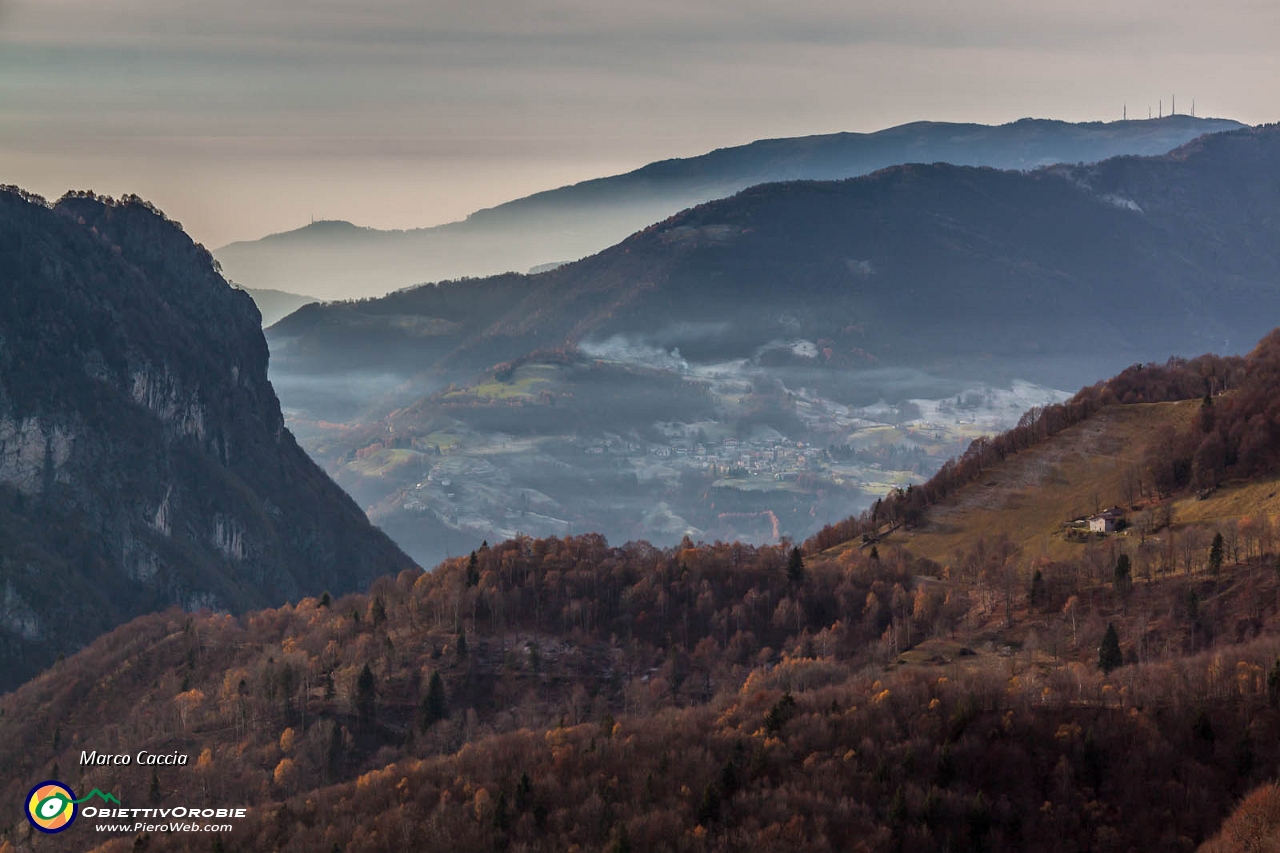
(561,694)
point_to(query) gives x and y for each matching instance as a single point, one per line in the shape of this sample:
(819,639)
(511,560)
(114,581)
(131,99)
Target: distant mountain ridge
(335,259)
(941,266)
(144,460)
(275,305)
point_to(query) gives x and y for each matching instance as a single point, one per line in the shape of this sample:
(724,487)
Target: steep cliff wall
(143,456)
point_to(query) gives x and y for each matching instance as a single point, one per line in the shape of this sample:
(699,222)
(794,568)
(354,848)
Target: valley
(763,365)
(634,450)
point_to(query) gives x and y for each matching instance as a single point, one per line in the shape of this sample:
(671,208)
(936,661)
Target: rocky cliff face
(143,456)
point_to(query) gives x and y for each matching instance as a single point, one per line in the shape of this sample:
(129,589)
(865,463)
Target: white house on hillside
(1105,521)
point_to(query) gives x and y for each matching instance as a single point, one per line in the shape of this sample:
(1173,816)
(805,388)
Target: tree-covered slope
(1120,693)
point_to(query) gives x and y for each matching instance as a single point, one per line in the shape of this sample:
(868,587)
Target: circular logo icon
(51,806)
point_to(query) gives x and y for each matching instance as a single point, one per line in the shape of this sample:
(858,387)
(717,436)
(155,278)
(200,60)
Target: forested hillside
(541,694)
(709,698)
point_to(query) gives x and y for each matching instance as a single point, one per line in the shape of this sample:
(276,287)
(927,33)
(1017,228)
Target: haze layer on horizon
(251,116)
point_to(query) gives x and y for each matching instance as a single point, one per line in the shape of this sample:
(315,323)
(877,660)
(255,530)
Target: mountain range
(785,313)
(950,267)
(335,259)
(144,460)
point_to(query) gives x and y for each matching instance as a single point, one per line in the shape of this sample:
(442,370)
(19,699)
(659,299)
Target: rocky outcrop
(144,461)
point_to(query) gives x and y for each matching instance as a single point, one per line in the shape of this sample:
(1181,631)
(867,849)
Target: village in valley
(723,475)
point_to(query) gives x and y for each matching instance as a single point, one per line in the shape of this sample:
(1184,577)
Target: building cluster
(782,458)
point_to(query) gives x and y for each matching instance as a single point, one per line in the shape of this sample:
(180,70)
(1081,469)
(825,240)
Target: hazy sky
(242,117)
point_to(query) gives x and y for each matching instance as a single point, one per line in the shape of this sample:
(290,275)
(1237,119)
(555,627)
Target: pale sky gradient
(243,117)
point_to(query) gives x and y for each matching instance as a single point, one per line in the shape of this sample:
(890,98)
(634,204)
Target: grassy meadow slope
(1031,497)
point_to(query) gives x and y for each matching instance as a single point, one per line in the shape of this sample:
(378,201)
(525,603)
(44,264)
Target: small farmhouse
(1106,521)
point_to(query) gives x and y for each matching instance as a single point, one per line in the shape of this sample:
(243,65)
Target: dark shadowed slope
(143,457)
(340,260)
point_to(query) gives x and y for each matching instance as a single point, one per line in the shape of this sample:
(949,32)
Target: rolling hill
(338,260)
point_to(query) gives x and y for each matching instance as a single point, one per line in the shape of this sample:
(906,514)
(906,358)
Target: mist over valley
(757,367)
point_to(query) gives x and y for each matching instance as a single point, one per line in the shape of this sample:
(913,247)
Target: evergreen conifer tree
(1123,572)
(366,689)
(1215,554)
(435,706)
(1109,656)
(795,566)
